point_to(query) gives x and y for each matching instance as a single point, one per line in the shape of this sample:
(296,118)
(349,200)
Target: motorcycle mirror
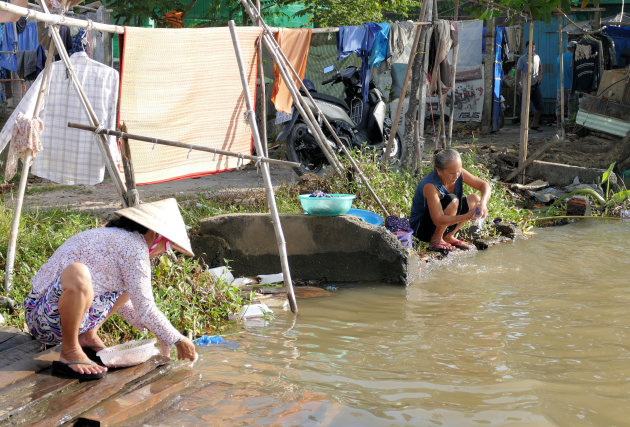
(329,69)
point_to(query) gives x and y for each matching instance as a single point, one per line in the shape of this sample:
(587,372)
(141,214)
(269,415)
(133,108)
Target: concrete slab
(557,174)
(331,249)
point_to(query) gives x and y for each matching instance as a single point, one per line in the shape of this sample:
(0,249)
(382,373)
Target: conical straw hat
(164,218)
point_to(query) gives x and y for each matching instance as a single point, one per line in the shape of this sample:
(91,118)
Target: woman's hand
(186,350)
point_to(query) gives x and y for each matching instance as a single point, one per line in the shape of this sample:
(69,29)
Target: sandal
(90,352)
(441,247)
(461,245)
(63,369)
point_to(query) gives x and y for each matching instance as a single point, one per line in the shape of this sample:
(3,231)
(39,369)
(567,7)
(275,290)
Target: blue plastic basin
(338,204)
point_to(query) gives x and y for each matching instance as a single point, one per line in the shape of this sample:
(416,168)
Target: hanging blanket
(184,85)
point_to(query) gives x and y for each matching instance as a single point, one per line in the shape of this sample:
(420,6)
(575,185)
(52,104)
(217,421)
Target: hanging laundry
(500,46)
(199,99)
(444,37)
(25,138)
(360,40)
(380,48)
(295,44)
(27,40)
(66,38)
(79,42)
(26,63)
(71,156)
(586,65)
(401,37)
(470,39)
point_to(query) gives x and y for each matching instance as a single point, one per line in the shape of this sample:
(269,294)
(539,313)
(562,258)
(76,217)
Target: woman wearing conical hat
(103,271)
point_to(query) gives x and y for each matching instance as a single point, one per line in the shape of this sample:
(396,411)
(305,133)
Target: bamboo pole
(275,217)
(26,164)
(85,102)
(263,92)
(442,128)
(299,103)
(132,196)
(451,118)
(287,63)
(525,98)
(561,76)
(58,19)
(159,141)
(488,77)
(403,90)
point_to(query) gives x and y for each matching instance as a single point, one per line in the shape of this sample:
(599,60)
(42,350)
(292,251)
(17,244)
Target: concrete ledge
(557,174)
(333,249)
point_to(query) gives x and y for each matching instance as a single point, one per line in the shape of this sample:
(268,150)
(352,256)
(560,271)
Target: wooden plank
(134,404)
(8,332)
(20,352)
(19,396)
(10,374)
(531,159)
(14,340)
(74,401)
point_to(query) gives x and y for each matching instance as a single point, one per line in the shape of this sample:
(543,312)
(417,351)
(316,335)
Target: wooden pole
(525,98)
(275,217)
(561,71)
(533,157)
(451,117)
(403,90)
(132,196)
(102,143)
(263,91)
(420,118)
(26,164)
(275,48)
(180,144)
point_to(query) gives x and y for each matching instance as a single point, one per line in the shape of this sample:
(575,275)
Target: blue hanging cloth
(367,41)
(27,40)
(500,38)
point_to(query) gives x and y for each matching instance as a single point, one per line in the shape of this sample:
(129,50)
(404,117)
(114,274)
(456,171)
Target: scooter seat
(331,99)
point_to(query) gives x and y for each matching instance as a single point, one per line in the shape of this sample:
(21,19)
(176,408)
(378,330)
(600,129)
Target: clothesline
(117,29)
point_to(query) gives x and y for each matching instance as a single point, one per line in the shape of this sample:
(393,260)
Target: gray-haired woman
(439,209)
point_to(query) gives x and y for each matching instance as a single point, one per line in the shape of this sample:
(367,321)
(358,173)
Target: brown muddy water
(531,333)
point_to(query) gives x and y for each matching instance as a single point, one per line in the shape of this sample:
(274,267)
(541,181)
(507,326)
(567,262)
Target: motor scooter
(358,124)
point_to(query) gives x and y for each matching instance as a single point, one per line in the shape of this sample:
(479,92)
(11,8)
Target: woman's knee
(473,200)
(451,204)
(76,277)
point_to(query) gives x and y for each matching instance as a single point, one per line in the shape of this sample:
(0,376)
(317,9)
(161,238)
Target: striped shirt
(71,156)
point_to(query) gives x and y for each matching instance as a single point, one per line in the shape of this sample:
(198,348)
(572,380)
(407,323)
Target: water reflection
(531,333)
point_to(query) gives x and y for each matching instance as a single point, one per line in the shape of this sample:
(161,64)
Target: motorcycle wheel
(397,149)
(303,149)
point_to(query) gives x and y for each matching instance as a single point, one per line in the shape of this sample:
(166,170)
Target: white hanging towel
(71,156)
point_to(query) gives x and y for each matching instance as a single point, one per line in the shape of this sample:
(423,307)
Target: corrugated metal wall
(546,39)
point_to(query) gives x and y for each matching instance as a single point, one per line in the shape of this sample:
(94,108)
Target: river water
(535,332)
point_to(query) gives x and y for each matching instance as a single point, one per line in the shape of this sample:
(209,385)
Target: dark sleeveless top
(419,207)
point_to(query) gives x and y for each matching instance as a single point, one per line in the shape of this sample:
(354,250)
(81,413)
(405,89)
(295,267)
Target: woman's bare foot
(92,340)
